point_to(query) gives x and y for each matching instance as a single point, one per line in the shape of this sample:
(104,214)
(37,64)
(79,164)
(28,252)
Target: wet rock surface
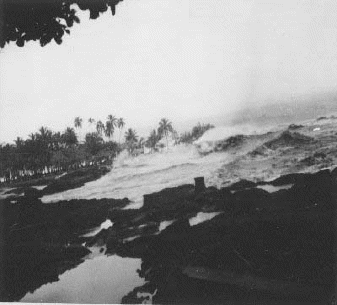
(42,241)
(261,247)
(271,251)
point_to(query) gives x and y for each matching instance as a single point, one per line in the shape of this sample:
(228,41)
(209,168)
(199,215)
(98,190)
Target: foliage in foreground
(45,20)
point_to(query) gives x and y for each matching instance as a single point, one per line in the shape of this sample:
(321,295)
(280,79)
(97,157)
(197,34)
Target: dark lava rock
(321,179)
(16,191)
(32,193)
(176,230)
(247,201)
(242,184)
(314,191)
(289,179)
(99,239)
(334,173)
(168,198)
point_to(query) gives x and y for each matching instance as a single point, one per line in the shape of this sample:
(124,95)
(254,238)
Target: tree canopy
(44,20)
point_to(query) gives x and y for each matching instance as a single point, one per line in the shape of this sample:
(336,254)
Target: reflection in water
(96,280)
(164,224)
(39,187)
(201,217)
(104,225)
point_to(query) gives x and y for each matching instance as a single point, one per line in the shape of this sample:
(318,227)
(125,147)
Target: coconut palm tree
(112,119)
(19,142)
(78,122)
(100,127)
(120,125)
(91,121)
(110,125)
(32,136)
(153,139)
(45,135)
(131,138)
(165,126)
(69,137)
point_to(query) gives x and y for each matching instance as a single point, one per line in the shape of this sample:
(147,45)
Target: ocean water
(97,280)
(134,177)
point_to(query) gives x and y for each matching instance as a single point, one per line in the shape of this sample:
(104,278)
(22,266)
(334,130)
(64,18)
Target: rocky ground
(261,246)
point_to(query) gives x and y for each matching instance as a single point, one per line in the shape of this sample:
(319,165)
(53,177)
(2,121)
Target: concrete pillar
(199,185)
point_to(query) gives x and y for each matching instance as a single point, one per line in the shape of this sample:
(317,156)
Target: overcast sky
(170,58)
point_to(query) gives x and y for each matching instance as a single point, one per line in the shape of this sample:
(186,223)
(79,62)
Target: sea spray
(133,177)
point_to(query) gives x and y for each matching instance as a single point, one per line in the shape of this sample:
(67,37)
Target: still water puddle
(164,224)
(39,187)
(272,189)
(201,217)
(104,225)
(96,280)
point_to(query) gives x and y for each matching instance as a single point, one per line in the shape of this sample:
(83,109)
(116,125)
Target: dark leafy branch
(44,20)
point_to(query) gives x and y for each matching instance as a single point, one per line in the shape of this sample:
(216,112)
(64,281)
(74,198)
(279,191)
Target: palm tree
(120,125)
(45,135)
(112,119)
(153,139)
(175,136)
(100,127)
(69,137)
(165,126)
(110,125)
(19,142)
(78,122)
(131,138)
(32,136)
(91,121)
(56,140)
(44,142)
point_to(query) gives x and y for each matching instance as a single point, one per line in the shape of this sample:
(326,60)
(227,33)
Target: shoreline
(56,183)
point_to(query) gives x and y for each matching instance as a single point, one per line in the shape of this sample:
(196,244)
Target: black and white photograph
(168,151)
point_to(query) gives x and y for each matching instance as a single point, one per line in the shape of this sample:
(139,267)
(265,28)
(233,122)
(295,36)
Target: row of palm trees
(131,138)
(164,129)
(107,128)
(132,141)
(46,152)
